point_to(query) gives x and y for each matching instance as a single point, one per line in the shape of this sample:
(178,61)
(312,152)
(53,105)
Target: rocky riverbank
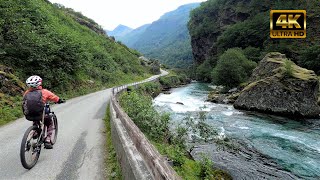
(277,86)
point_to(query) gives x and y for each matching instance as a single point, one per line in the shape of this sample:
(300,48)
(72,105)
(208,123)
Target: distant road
(79,151)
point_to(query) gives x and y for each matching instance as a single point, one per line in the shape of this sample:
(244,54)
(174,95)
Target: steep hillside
(81,19)
(119,31)
(166,39)
(218,25)
(68,50)
(37,37)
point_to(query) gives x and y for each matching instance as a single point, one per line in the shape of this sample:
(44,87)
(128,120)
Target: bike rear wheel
(55,129)
(30,148)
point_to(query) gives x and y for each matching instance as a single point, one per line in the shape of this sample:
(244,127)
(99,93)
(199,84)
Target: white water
(295,146)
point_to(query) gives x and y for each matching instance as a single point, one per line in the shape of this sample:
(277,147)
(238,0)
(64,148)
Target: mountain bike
(34,138)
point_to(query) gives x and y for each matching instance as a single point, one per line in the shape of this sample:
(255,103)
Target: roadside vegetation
(69,51)
(171,143)
(113,169)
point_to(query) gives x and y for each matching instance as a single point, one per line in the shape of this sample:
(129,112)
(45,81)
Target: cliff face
(218,25)
(279,86)
(209,21)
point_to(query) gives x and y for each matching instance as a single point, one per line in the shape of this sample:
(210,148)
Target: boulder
(278,86)
(221,98)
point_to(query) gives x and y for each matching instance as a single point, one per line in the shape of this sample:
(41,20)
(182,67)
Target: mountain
(166,39)
(69,51)
(132,37)
(218,25)
(119,31)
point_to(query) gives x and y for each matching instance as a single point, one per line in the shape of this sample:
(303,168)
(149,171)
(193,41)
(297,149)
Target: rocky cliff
(218,25)
(279,86)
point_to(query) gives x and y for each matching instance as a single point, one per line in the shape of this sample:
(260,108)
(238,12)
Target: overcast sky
(132,13)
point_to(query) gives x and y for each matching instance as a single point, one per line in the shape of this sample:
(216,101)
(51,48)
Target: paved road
(79,151)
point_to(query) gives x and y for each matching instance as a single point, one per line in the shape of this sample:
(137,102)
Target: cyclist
(34,100)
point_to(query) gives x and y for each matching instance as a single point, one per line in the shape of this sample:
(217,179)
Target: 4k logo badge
(288,24)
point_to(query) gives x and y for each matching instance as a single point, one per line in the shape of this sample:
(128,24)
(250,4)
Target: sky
(132,13)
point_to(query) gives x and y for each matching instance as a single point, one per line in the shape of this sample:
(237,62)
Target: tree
(232,68)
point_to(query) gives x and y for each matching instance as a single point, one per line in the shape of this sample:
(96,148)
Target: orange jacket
(46,94)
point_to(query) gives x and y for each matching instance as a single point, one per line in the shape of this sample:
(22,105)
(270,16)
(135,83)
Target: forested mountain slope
(37,37)
(68,50)
(166,39)
(218,25)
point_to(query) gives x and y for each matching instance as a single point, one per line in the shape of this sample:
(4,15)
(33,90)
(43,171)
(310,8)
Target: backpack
(33,106)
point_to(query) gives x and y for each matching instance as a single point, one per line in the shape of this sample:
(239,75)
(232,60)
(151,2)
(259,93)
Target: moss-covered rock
(281,87)
(9,83)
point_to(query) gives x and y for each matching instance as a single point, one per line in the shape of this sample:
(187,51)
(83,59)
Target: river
(268,147)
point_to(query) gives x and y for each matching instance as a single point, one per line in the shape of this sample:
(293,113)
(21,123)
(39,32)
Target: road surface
(79,150)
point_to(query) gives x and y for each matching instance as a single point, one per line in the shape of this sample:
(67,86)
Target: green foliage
(197,126)
(252,53)
(188,168)
(138,106)
(206,168)
(245,34)
(150,88)
(10,108)
(68,50)
(173,80)
(218,25)
(40,38)
(288,68)
(232,68)
(113,170)
(140,109)
(310,58)
(203,71)
(166,39)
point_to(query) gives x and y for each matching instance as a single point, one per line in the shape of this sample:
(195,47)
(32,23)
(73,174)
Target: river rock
(179,103)
(279,86)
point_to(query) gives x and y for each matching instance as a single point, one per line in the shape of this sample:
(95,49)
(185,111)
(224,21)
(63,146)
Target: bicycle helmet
(34,81)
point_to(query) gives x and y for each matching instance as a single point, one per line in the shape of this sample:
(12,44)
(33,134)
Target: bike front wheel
(30,148)
(55,129)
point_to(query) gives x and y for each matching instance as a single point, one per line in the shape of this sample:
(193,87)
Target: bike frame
(42,125)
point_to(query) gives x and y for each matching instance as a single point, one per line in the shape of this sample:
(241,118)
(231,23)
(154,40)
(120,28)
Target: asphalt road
(79,150)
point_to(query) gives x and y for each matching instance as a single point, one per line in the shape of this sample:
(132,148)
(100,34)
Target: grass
(292,70)
(10,106)
(188,168)
(113,170)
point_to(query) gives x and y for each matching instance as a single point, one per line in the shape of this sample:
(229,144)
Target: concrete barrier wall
(138,158)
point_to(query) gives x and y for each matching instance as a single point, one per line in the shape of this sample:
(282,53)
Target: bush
(173,80)
(203,71)
(140,110)
(252,53)
(150,88)
(232,68)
